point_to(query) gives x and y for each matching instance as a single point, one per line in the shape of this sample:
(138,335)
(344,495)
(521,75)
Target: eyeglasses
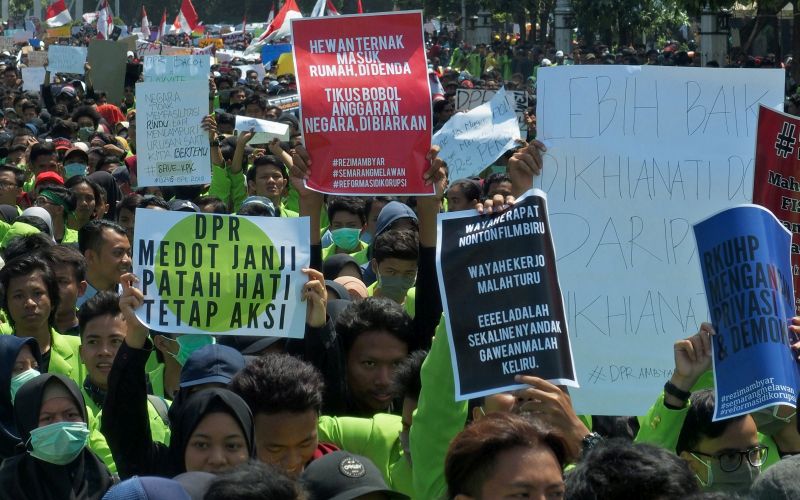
(7,185)
(42,201)
(730,461)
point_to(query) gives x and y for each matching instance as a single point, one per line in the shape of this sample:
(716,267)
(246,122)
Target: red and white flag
(57,14)
(271,15)
(162,26)
(187,20)
(324,8)
(105,21)
(280,27)
(145,24)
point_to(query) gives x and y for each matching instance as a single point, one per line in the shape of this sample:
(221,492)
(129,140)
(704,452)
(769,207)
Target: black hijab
(10,346)
(8,213)
(196,407)
(25,477)
(113,194)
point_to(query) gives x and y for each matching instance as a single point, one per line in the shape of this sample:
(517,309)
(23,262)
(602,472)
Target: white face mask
(738,480)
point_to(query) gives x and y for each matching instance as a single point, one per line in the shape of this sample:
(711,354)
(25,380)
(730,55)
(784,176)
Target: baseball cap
(211,363)
(344,476)
(62,143)
(49,176)
(559,53)
(183,206)
(248,344)
(260,200)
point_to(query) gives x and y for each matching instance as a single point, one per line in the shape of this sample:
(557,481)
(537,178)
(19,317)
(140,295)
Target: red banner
(365,103)
(776,185)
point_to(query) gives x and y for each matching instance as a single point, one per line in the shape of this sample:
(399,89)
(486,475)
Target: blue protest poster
(745,258)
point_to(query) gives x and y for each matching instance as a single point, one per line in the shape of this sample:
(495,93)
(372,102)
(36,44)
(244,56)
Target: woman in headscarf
(19,362)
(56,464)
(212,431)
(113,194)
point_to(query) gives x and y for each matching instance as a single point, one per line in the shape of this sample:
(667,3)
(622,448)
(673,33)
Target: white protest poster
(472,141)
(66,59)
(467,99)
(636,155)
(266,130)
(258,68)
(189,68)
(221,274)
(33,78)
(172,147)
(37,59)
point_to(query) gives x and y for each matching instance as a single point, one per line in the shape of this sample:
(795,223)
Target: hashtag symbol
(335,184)
(335,162)
(784,144)
(336,173)
(596,375)
(151,171)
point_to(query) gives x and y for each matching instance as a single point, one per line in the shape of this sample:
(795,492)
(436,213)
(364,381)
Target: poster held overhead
(502,301)
(744,256)
(365,104)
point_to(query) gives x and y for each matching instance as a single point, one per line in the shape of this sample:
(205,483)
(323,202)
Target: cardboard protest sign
(172,148)
(33,78)
(6,43)
(265,130)
(635,156)
(744,255)
(37,59)
(66,59)
(472,141)
(221,274)
(776,184)
(189,68)
(111,57)
(365,104)
(502,301)
(467,99)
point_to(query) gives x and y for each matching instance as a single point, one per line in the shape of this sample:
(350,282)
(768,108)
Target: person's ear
(477,413)
(82,287)
(695,466)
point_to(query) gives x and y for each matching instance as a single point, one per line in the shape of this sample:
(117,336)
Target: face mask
(19,380)
(405,443)
(719,480)
(59,443)
(188,344)
(768,422)
(85,132)
(395,287)
(346,238)
(73,169)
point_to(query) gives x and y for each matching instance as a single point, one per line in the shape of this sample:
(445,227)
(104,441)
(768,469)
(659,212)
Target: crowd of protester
(93,404)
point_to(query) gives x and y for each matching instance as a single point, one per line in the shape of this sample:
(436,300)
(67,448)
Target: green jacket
(70,236)
(662,426)
(158,427)
(64,356)
(377,438)
(437,420)
(359,255)
(230,188)
(409,304)
(97,442)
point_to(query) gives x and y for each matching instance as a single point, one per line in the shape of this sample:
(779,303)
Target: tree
(625,22)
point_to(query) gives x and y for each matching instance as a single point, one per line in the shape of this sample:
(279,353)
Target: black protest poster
(502,301)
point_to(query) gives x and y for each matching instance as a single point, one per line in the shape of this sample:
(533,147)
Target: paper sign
(744,255)
(258,68)
(502,301)
(221,274)
(636,155)
(112,58)
(37,59)
(466,99)
(66,59)
(265,130)
(33,78)
(776,184)
(365,104)
(176,68)
(172,148)
(144,48)
(472,141)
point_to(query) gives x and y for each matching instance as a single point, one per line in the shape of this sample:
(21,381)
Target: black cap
(212,363)
(343,476)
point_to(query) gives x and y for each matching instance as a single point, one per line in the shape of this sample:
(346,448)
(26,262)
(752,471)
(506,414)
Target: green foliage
(627,21)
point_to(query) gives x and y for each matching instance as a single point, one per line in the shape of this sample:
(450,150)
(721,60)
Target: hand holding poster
(221,274)
(365,103)
(502,301)
(472,141)
(776,183)
(172,147)
(744,254)
(187,68)
(66,59)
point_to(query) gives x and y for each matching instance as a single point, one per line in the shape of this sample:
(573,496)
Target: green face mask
(19,380)
(188,344)
(395,287)
(73,169)
(59,443)
(346,238)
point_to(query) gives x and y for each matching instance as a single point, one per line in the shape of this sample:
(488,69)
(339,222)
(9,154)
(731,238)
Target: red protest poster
(365,102)
(776,185)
